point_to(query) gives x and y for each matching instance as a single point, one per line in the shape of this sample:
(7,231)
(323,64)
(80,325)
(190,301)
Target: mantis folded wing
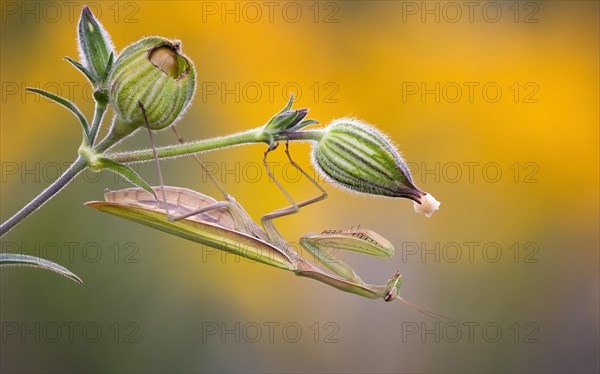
(228,227)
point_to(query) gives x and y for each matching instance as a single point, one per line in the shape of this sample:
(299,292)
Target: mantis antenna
(439,317)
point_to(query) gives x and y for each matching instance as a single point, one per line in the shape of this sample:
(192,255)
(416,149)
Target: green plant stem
(98,116)
(253,136)
(310,135)
(77,167)
(109,141)
(247,137)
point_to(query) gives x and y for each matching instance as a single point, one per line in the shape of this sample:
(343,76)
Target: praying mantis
(226,225)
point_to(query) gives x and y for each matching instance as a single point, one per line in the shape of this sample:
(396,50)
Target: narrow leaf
(15,259)
(127,172)
(288,106)
(83,69)
(108,66)
(67,104)
(303,124)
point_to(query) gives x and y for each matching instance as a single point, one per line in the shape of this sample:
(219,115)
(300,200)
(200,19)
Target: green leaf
(288,106)
(15,259)
(124,170)
(83,69)
(67,104)
(303,124)
(109,65)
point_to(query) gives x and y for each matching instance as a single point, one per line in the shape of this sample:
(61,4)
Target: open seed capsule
(154,72)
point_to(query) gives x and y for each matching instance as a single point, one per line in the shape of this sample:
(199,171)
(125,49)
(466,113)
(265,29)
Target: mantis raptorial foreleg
(336,265)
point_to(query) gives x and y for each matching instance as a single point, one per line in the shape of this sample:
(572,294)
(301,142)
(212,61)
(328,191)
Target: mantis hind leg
(216,205)
(267,219)
(202,165)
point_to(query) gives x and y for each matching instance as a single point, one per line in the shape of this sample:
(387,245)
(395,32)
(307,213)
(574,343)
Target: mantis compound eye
(393,287)
(390,295)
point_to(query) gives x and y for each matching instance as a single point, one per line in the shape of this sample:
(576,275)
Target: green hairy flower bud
(153,72)
(361,158)
(95,47)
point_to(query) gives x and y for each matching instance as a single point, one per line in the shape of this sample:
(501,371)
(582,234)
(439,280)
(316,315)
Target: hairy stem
(252,136)
(98,116)
(310,135)
(247,137)
(77,167)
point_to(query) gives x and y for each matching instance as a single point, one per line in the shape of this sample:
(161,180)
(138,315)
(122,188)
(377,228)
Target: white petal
(428,205)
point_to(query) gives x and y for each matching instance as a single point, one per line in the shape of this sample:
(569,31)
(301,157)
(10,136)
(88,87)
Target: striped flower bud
(153,72)
(363,159)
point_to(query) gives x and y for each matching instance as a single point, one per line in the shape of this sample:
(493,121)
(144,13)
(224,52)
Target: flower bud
(284,121)
(95,47)
(288,120)
(153,72)
(363,159)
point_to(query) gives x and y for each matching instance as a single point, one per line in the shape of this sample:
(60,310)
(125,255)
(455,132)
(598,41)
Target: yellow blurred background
(494,105)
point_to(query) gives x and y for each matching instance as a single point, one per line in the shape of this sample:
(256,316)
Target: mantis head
(393,287)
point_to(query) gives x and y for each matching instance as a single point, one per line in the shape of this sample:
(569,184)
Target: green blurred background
(513,249)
